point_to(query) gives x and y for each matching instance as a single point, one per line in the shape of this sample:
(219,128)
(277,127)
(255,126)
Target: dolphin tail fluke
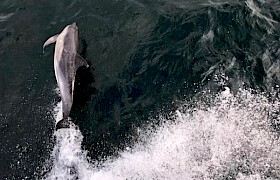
(50,41)
(80,61)
(64,123)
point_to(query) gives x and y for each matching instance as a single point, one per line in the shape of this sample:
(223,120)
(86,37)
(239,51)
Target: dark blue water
(208,65)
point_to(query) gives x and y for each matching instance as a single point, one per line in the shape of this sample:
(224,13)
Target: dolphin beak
(74,24)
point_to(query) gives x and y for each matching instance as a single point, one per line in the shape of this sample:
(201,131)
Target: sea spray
(68,160)
(230,138)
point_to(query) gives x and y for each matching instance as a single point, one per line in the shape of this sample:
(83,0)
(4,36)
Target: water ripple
(5,17)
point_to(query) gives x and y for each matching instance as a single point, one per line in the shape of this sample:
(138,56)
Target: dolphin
(66,63)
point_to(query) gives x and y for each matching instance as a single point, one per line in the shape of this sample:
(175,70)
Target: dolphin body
(66,63)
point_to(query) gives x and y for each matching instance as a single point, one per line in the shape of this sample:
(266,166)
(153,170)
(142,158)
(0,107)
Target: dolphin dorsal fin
(80,61)
(50,41)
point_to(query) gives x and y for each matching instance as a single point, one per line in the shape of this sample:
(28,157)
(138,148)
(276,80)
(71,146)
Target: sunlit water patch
(232,137)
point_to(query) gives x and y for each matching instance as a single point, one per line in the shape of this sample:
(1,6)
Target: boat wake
(229,136)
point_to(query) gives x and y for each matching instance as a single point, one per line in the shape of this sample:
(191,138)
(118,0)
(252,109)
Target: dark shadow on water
(84,88)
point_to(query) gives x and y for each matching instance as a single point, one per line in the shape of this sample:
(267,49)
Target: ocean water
(175,90)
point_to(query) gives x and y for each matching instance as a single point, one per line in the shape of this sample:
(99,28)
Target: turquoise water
(151,62)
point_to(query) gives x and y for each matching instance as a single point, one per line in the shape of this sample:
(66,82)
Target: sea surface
(176,89)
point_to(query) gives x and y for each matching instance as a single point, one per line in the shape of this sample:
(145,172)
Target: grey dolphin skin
(66,63)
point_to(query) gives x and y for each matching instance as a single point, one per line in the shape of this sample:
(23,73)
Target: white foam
(207,144)
(231,137)
(57,112)
(68,159)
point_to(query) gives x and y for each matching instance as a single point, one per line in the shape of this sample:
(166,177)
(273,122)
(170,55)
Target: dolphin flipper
(80,61)
(50,41)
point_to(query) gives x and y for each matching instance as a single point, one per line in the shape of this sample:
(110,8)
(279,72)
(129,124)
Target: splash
(230,137)
(68,159)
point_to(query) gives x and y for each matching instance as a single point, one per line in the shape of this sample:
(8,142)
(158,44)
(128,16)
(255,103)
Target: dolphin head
(73,30)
